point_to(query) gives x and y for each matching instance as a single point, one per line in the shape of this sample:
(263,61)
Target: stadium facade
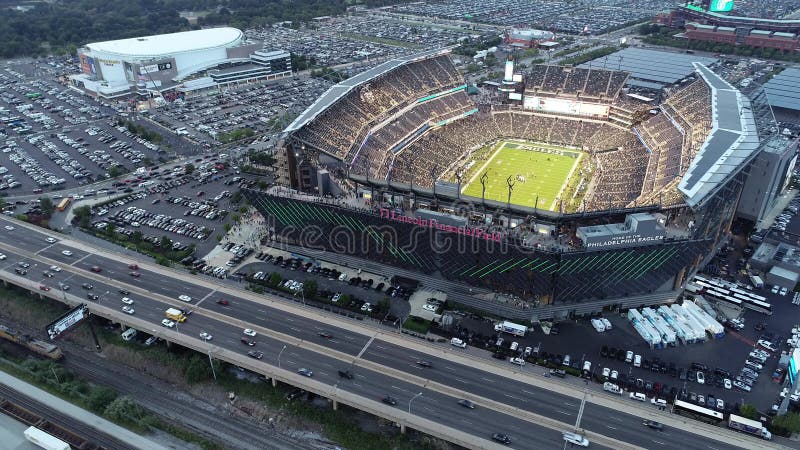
(161,63)
(377,168)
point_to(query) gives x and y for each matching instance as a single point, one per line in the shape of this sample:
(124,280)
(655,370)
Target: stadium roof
(168,44)
(338,91)
(732,143)
(653,67)
(783,90)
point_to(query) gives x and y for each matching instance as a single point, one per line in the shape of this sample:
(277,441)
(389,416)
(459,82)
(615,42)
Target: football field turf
(535,169)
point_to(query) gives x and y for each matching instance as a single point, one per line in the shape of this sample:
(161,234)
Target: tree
(165,243)
(124,409)
(748,410)
(383,305)
(83,216)
(310,288)
(275,279)
(189,168)
(100,398)
(197,370)
(789,422)
(136,236)
(47,206)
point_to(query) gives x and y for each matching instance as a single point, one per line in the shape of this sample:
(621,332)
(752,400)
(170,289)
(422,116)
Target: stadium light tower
(459,177)
(433,180)
(510,189)
(483,180)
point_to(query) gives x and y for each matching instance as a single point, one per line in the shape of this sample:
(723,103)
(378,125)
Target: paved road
(345,344)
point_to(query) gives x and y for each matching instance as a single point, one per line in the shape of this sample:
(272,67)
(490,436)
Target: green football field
(535,169)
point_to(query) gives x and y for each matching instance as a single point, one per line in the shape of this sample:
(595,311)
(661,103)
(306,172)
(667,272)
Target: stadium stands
(595,84)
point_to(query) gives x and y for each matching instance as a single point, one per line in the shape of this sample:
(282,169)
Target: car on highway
(223,302)
(184,298)
(135,274)
(43,287)
(2,256)
(255,354)
(123,291)
(466,403)
(133,266)
(423,363)
(55,268)
(9,228)
(168,323)
(96,269)
(575,439)
(128,310)
(389,400)
(51,240)
(66,252)
(205,336)
(325,335)
(127,300)
(305,372)
(247,340)
(501,438)
(48,274)
(87,286)
(249,332)
(346,374)
(653,424)
(93,297)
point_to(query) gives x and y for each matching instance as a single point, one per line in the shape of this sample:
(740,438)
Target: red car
(96,269)
(223,302)
(133,266)
(44,288)
(135,274)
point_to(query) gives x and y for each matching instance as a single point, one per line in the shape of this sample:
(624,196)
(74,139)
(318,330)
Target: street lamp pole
(412,399)
(279,356)
(211,362)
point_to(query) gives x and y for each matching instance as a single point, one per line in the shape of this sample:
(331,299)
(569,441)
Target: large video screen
(564,106)
(720,5)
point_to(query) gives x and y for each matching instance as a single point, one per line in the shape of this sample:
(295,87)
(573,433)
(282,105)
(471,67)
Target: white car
(128,310)
(205,336)
(775,289)
(9,228)
(701,378)
(366,307)
(2,256)
(184,298)
(427,307)
(336,297)
(727,383)
(517,361)
(614,374)
(51,240)
(55,268)
(784,291)
(168,323)
(249,332)
(606,372)
(629,357)
(766,344)
(66,252)
(637,361)
(127,301)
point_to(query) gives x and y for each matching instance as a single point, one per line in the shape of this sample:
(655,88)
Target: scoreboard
(564,106)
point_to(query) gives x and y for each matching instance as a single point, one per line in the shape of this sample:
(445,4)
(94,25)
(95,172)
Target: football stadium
(567,194)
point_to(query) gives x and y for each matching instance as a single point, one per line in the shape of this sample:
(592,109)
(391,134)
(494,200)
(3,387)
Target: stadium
(153,65)
(573,198)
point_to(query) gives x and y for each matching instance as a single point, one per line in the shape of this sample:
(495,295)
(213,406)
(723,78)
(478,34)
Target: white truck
(757,282)
(511,328)
(611,387)
(749,426)
(456,342)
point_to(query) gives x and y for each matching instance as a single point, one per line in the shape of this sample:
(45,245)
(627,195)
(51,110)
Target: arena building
(575,199)
(161,63)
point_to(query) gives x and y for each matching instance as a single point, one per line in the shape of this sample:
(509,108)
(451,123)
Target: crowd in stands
(665,144)
(585,83)
(341,128)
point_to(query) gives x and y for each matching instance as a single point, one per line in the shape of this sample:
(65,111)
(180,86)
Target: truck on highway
(44,440)
(749,426)
(758,283)
(511,328)
(175,314)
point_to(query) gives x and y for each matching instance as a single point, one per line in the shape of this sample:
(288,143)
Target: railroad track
(163,400)
(92,437)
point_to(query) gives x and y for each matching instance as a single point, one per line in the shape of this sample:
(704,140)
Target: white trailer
(758,283)
(44,440)
(749,426)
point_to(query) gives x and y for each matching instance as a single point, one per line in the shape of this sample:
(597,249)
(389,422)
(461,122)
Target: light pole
(412,399)
(211,362)
(279,356)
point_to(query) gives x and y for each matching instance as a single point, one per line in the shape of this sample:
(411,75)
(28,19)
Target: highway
(381,366)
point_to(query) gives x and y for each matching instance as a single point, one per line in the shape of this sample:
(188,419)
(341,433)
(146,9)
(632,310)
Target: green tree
(165,243)
(83,216)
(748,410)
(115,171)
(189,168)
(124,409)
(383,305)
(110,229)
(789,422)
(275,279)
(236,197)
(47,206)
(100,398)
(136,236)
(197,370)
(310,288)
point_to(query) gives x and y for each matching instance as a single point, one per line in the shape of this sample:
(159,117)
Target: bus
(44,440)
(697,412)
(33,95)
(63,204)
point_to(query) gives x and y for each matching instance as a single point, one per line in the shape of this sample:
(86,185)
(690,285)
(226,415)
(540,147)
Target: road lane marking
(366,346)
(564,412)
(487,379)
(460,380)
(569,404)
(658,442)
(528,392)
(290,362)
(515,398)
(609,426)
(297,330)
(450,368)
(618,419)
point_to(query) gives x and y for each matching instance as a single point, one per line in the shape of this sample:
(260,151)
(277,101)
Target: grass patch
(417,324)
(538,171)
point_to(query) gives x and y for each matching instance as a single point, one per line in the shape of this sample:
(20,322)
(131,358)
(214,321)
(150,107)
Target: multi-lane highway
(383,363)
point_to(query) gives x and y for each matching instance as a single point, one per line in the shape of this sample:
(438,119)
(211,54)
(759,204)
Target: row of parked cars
(786,216)
(136,217)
